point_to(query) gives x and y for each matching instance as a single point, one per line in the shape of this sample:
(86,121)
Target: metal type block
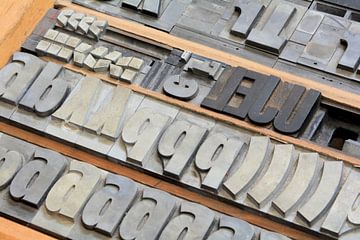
(109,116)
(65,54)
(205,68)
(100,52)
(215,156)
(343,210)
(116,71)
(102,65)
(74,20)
(90,62)
(83,48)
(157,207)
(13,144)
(268,37)
(97,28)
(281,166)
(115,197)
(124,61)
(128,75)
(73,42)
(61,38)
(180,88)
(42,47)
(76,108)
(113,56)
(232,229)
(32,182)
(85,23)
(194,219)
(354,4)
(350,60)
(63,18)
(136,63)
(308,101)
(79,59)
(152,7)
(53,50)
(118,150)
(224,88)
(51,34)
(306,175)
(141,134)
(178,145)
(82,179)
(249,11)
(17,76)
(253,164)
(11,163)
(352,147)
(325,193)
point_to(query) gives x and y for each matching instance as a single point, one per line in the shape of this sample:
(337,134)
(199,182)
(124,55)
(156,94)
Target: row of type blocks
(280,180)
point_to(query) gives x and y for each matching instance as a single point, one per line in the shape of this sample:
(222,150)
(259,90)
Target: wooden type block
(308,101)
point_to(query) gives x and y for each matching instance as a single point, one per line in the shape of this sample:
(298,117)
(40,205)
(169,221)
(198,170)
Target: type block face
(118,193)
(150,125)
(157,206)
(161,14)
(24,69)
(46,166)
(177,142)
(80,206)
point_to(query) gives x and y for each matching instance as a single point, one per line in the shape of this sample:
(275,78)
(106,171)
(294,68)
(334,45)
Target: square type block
(100,52)
(73,42)
(113,56)
(90,62)
(65,54)
(51,34)
(128,75)
(102,65)
(124,61)
(62,38)
(83,48)
(54,49)
(136,63)
(115,71)
(43,46)
(79,59)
